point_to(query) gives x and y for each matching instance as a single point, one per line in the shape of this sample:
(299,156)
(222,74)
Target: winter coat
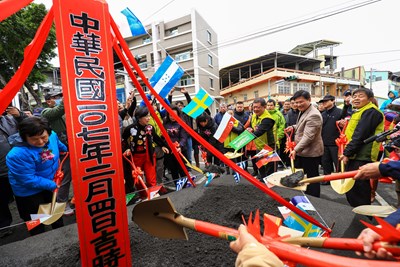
(388,101)
(8,127)
(329,129)
(32,169)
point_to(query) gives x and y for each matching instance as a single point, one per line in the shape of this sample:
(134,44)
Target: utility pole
(370,79)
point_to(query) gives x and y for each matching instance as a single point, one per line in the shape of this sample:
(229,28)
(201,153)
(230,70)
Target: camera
(393,144)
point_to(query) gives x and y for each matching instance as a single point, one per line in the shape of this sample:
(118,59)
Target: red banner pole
(209,147)
(151,110)
(88,82)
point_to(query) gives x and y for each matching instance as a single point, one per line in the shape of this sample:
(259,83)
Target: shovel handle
(340,243)
(329,177)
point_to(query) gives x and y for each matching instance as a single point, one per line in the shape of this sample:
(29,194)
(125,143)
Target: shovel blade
(342,186)
(58,212)
(144,214)
(44,209)
(275,179)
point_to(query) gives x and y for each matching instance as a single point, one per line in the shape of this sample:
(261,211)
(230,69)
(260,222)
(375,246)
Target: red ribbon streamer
(31,53)
(9,7)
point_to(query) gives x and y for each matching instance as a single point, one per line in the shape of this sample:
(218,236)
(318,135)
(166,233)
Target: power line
(287,26)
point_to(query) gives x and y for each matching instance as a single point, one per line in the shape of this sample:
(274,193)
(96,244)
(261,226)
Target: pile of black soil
(223,205)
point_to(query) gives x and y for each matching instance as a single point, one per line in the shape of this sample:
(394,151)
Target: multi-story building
(190,41)
(278,75)
(381,82)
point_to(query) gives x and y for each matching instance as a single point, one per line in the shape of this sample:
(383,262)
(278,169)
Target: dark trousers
(310,168)
(360,194)
(173,166)
(330,159)
(5,195)
(30,205)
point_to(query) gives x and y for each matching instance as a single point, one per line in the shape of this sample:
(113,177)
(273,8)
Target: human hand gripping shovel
(159,218)
(54,209)
(278,178)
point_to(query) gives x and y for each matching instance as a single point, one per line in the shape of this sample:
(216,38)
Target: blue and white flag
(181,183)
(193,178)
(236,175)
(134,23)
(166,76)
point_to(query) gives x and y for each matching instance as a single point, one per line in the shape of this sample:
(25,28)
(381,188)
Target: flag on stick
(128,197)
(181,183)
(264,152)
(225,127)
(242,140)
(193,178)
(272,157)
(210,176)
(166,76)
(236,175)
(133,22)
(199,104)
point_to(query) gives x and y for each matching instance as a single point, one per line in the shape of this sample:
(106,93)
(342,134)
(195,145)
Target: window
(143,65)
(284,88)
(173,31)
(211,83)
(209,39)
(244,97)
(234,100)
(255,94)
(186,80)
(305,87)
(146,40)
(183,56)
(210,60)
(379,78)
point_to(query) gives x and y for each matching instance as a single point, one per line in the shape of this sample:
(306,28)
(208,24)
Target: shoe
(68,211)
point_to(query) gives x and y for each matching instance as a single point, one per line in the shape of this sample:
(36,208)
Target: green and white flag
(242,140)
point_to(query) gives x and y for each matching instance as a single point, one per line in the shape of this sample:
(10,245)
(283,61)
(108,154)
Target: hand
(342,123)
(292,155)
(368,171)
(244,239)
(289,129)
(172,91)
(368,237)
(165,150)
(128,152)
(344,158)
(183,90)
(13,111)
(250,130)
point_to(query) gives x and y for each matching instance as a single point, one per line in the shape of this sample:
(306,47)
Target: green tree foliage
(16,32)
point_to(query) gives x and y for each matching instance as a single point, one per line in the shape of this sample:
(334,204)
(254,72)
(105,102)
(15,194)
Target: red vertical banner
(87,72)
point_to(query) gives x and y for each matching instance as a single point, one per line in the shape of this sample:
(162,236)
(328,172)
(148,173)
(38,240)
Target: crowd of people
(31,145)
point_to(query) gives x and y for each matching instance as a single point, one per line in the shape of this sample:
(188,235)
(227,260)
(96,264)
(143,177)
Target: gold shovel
(54,209)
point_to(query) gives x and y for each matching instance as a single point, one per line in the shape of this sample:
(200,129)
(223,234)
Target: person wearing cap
(347,107)
(139,137)
(366,121)
(320,106)
(330,132)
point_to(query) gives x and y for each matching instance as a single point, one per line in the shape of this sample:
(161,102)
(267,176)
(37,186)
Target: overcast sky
(368,34)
